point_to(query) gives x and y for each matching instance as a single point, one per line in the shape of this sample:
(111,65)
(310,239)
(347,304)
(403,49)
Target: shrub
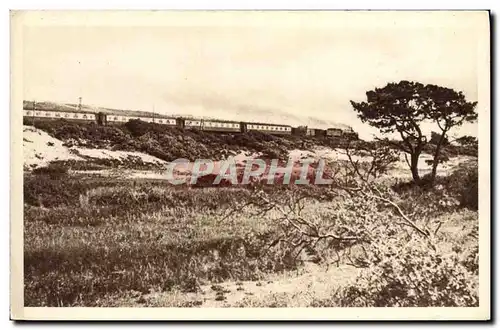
(435,137)
(443,157)
(463,183)
(44,190)
(425,201)
(48,191)
(137,127)
(83,134)
(461,186)
(53,170)
(271,154)
(411,275)
(467,145)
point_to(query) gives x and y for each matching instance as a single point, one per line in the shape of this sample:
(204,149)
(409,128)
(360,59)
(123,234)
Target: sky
(260,65)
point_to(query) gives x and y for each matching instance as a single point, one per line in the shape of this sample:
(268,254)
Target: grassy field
(96,242)
(105,238)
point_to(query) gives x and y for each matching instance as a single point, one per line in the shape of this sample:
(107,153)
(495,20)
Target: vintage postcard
(250,165)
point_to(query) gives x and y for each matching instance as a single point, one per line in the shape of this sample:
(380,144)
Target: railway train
(209,125)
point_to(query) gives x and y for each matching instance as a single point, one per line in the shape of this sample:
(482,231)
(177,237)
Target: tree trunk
(414,167)
(435,162)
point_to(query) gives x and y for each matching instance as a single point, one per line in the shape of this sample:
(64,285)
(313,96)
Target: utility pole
(80,103)
(34,110)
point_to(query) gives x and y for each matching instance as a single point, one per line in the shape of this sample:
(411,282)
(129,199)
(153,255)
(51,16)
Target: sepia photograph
(250,165)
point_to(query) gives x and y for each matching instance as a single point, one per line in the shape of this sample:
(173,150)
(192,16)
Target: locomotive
(209,125)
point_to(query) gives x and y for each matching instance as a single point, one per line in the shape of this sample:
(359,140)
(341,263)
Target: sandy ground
(295,289)
(40,149)
(119,155)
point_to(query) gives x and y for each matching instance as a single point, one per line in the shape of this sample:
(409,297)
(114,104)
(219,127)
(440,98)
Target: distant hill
(29,105)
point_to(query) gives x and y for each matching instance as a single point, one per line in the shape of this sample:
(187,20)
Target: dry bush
(401,256)
(409,273)
(53,170)
(463,183)
(460,188)
(393,237)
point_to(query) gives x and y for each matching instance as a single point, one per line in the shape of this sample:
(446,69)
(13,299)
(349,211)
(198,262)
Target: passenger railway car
(221,126)
(299,131)
(166,121)
(316,132)
(334,132)
(46,114)
(268,128)
(192,124)
(119,119)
